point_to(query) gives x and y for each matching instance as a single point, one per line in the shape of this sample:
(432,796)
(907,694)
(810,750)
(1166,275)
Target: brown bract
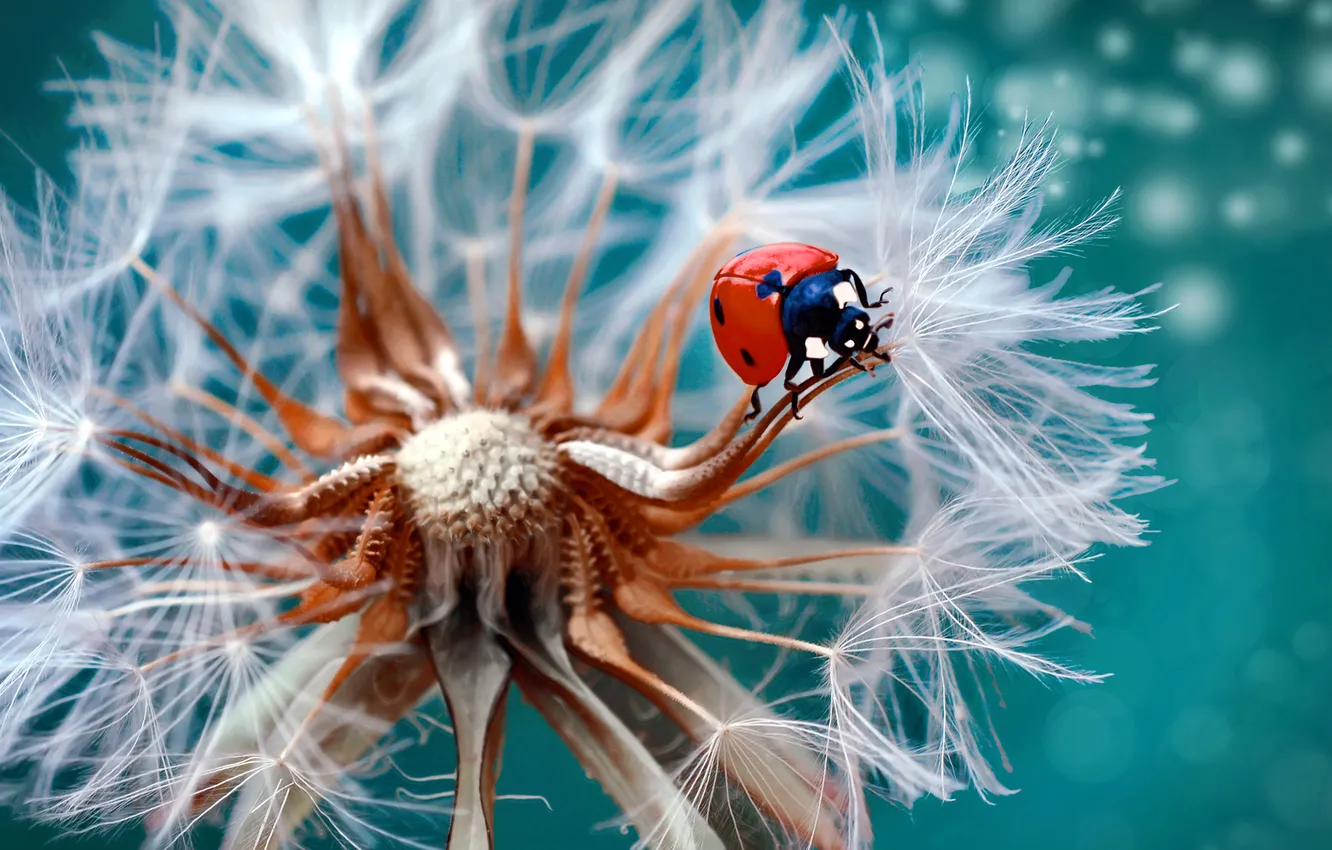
(498,534)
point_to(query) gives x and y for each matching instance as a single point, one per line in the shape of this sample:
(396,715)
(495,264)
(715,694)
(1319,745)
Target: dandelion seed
(353,389)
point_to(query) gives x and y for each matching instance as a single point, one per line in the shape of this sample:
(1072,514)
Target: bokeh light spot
(1239,209)
(1115,41)
(1163,207)
(1167,113)
(1289,147)
(1254,208)
(1071,145)
(1233,429)
(1090,737)
(948,66)
(1272,674)
(1320,13)
(1166,7)
(1316,78)
(1312,641)
(1299,788)
(1243,76)
(1104,831)
(1194,54)
(1117,103)
(1022,19)
(1201,735)
(1040,92)
(950,7)
(1202,303)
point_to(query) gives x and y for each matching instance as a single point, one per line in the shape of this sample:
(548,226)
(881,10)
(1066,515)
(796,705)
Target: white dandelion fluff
(359,382)
(969,320)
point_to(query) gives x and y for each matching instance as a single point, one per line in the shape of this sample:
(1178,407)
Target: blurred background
(1215,117)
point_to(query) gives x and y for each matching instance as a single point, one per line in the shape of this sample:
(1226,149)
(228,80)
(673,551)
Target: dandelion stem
(556,385)
(271,571)
(247,424)
(310,430)
(776,586)
(628,404)
(649,600)
(515,362)
(658,427)
(476,297)
(776,473)
(204,586)
(754,636)
(474,672)
(799,560)
(257,480)
(312,610)
(383,623)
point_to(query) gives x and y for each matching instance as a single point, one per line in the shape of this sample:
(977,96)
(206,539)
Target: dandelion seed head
(481,473)
(355,305)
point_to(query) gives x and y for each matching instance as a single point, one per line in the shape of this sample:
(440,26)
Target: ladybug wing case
(748,329)
(794,260)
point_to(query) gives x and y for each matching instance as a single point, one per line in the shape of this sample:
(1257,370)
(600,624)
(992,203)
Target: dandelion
(359,384)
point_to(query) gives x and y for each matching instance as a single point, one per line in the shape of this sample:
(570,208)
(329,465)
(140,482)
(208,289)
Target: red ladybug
(788,303)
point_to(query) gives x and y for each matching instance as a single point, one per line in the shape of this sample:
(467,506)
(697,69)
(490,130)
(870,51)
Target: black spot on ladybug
(717,311)
(749,358)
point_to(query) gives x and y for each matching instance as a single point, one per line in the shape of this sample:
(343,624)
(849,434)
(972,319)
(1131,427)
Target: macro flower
(361,381)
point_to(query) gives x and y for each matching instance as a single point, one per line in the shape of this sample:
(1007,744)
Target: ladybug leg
(756,406)
(854,362)
(793,366)
(818,370)
(885,323)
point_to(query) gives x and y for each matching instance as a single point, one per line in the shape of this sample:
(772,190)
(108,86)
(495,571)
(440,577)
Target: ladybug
(785,304)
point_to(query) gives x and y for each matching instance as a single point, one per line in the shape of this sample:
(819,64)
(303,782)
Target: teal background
(1215,731)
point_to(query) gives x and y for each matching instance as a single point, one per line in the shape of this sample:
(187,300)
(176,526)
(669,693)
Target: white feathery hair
(203,165)
(994,407)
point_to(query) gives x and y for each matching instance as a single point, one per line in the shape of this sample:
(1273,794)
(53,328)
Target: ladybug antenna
(853,278)
(872,348)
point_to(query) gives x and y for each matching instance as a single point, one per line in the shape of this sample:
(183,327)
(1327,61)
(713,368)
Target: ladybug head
(854,332)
